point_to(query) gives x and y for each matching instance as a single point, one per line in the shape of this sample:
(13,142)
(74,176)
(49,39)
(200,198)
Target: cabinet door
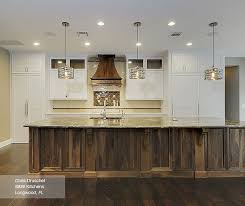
(57,86)
(212,91)
(20,100)
(128,149)
(35,94)
(190,63)
(177,63)
(77,87)
(34,63)
(68,88)
(183,63)
(106,156)
(149,88)
(19,62)
(185,96)
(183,148)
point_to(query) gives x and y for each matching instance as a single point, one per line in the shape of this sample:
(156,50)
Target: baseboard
(5,143)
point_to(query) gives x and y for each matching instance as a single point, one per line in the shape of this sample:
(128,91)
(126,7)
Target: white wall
(239,61)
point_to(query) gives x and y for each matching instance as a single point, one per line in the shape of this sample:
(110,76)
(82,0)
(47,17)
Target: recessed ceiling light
(171,23)
(189,44)
(138,44)
(130,62)
(100,23)
(87,43)
(36,43)
(60,62)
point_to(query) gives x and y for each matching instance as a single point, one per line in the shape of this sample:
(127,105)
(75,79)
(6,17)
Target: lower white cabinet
(68,89)
(27,107)
(150,88)
(185,95)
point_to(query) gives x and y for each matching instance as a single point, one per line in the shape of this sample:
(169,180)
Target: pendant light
(213,73)
(65,72)
(137,72)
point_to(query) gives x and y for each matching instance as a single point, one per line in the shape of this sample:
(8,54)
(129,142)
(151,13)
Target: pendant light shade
(213,73)
(65,72)
(137,72)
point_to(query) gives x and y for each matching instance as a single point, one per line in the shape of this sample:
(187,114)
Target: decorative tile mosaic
(112,98)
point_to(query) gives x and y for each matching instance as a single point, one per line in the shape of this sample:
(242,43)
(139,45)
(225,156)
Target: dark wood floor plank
(128,191)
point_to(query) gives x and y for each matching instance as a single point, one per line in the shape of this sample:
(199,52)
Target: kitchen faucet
(104,110)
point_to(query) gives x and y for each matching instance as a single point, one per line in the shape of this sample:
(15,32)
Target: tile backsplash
(110,98)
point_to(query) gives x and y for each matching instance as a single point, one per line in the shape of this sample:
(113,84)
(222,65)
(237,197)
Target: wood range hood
(106,73)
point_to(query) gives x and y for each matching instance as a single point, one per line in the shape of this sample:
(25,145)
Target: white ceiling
(28,20)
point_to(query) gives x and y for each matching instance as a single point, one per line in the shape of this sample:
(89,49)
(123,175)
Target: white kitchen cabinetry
(27,92)
(27,103)
(191,95)
(149,88)
(184,63)
(27,62)
(69,89)
(185,95)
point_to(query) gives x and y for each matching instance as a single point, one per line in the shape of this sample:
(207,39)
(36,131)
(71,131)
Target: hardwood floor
(128,191)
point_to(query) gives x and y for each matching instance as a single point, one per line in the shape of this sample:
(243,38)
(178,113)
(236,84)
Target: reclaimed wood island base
(155,151)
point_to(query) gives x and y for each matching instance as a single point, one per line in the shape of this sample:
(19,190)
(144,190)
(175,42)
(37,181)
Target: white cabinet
(19,109)
(27,92)
(27,96)
(150,88)
(191,95)
(68,89)
(27,62)
(185,95)
(184,63)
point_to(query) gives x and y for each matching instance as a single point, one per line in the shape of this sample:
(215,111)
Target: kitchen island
(137,147)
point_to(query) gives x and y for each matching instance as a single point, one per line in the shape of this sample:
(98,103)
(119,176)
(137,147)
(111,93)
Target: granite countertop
(154,122)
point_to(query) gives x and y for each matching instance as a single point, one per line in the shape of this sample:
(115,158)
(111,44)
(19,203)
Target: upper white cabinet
(27,62)
(150,88)
(184,63)
(68,89)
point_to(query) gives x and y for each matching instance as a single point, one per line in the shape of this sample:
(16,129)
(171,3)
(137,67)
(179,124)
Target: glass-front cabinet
(154,63)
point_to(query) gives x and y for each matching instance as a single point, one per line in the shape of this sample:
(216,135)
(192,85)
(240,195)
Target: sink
(106,117)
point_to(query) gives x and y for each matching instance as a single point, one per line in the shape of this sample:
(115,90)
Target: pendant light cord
(137,47)
(213,46)
(65,43)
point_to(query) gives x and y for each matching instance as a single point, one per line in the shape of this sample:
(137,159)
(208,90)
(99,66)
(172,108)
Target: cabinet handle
(27,109)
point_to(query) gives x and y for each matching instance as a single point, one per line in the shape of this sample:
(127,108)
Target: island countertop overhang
(154,122)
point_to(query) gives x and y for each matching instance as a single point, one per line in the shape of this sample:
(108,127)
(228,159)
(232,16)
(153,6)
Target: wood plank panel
(34,150)
(234,149)
(51,142)
(183,148)
(242,150)
(160,148)
(215,149)
(90,150)
(128,149)
(106,157)
(146,148)
(74,150)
